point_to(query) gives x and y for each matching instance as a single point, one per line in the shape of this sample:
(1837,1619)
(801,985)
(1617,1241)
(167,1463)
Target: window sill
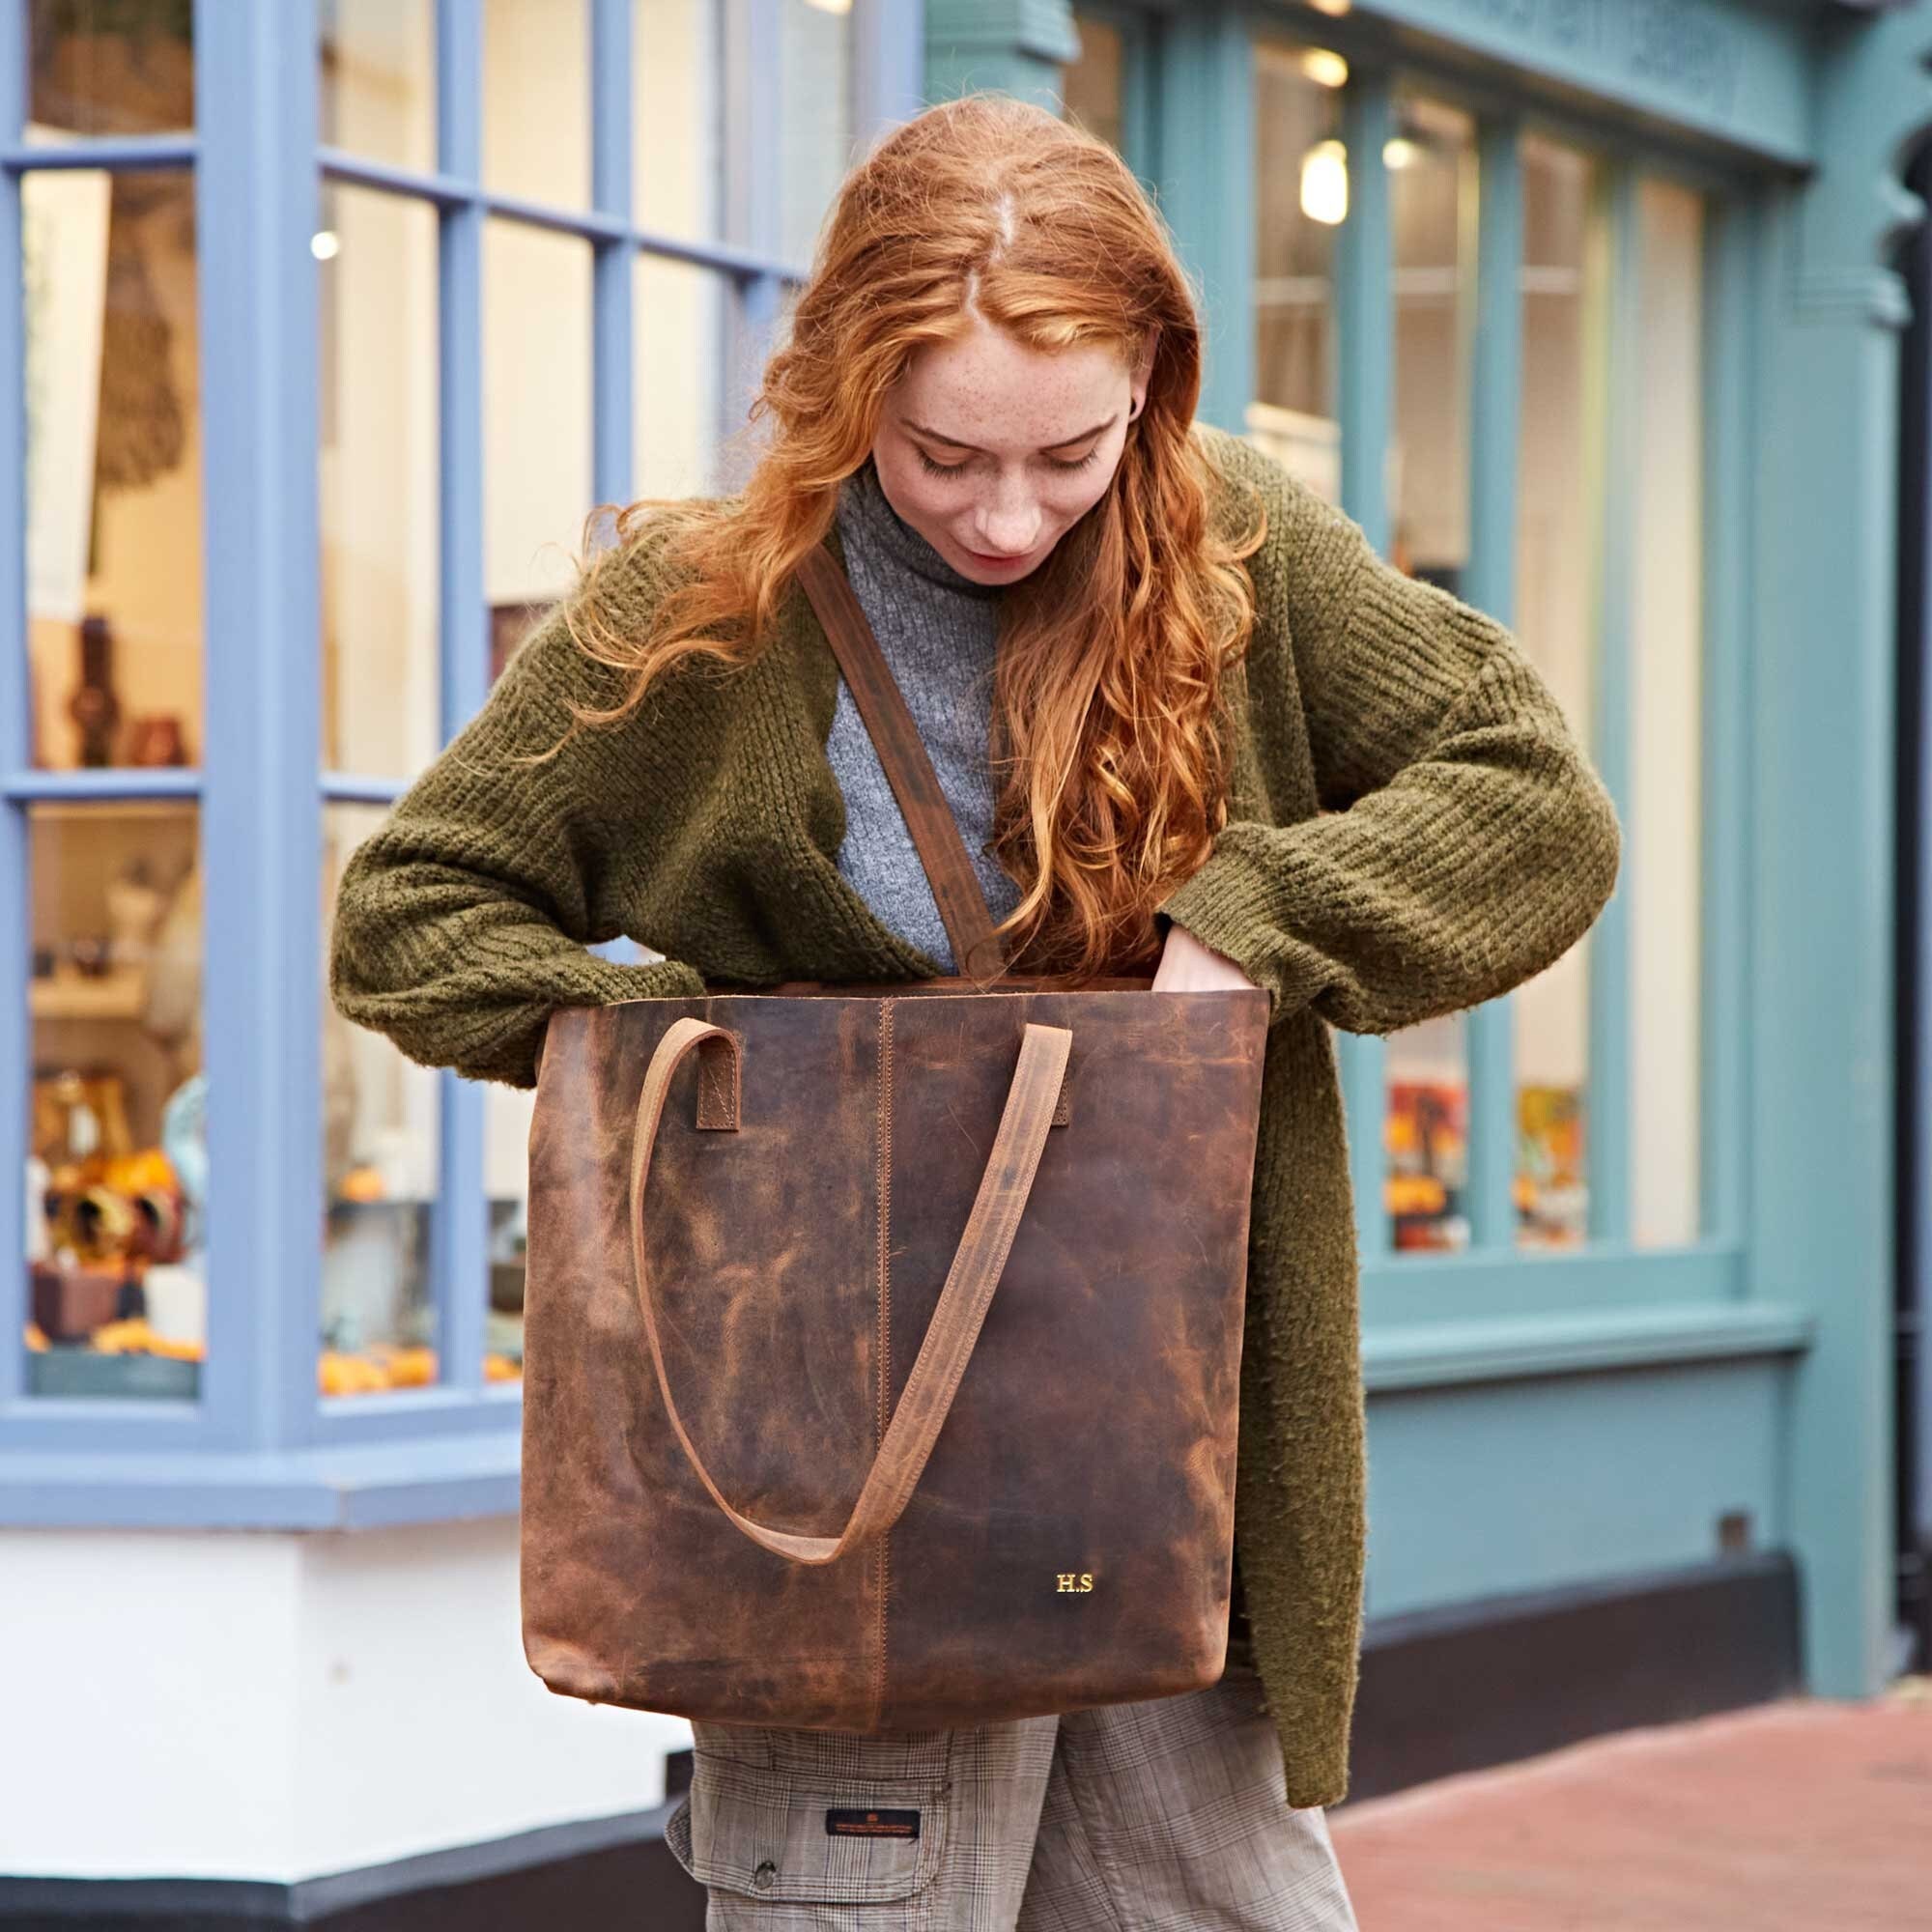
(1452,1353)
(362,1486)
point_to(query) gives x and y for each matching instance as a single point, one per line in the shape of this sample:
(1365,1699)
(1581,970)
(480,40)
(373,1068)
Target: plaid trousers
(1167,1815)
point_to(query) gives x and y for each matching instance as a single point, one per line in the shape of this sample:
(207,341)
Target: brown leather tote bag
(882,1343)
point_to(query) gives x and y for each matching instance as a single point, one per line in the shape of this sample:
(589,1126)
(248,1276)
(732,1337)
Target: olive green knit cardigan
(1412,829)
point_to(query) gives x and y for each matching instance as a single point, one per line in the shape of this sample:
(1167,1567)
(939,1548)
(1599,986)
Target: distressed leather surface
(796,1264)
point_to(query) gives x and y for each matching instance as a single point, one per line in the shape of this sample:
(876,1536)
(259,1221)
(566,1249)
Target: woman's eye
(933,468)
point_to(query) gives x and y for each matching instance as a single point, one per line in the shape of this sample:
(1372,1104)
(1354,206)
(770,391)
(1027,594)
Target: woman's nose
(1009,528)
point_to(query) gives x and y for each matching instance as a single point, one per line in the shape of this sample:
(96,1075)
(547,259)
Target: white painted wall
(277,1706)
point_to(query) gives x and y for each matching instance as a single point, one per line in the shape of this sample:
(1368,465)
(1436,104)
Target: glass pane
(681,320)
(109,67)
(1556,548)
(379,79)
(1089,87)
(815,134)
(1665,885)
(380,1143)
(676,127)
(113,469)
(117,1169)
(536,99)
(506,1168)
(537,449)
(1302,185)
(536,411)
(1432,163)
(377,285)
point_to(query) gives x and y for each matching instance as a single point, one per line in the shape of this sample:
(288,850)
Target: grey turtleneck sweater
(938,630)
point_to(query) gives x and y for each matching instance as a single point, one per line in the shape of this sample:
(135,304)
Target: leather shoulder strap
(935,832)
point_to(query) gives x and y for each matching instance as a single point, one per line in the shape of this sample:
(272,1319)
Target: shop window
(537,492)
(682,315)
(1090,86)
(114,601)
(1565,300)
(381,1150)
(1433,185)
(677,120)
(1667,737)
(506,1142)
(109,67)
(536,409)
(376,281)
(814,130)
(117,1174)
(1300,200)
(536,99)
(378,69)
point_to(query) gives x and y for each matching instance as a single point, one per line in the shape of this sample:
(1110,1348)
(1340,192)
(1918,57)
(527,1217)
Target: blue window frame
(255,1441)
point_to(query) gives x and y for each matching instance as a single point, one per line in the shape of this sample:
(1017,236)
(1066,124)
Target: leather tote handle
(954,1329)
(935,832)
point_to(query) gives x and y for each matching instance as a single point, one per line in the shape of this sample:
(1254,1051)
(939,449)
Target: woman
(1192,722)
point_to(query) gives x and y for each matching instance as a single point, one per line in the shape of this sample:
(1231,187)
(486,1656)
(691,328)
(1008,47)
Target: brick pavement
(1805,1815)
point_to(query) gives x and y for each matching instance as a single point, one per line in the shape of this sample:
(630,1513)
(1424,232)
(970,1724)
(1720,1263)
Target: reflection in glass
(536,99)
(1664,887)
(379,1161)
(1299,169)
(681,320)
(1563,303)
(677,187)
(378,65)
(1089,87)
(536,409)
(815,133)
(113,469)
(506,1142)
(376,281)
(109,67)
(117,1169)
(1432,160)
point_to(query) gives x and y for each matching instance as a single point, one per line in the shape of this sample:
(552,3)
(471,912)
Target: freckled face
(992,451)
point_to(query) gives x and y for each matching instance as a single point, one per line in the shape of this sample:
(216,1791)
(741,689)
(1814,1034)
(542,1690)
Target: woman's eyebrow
(953,442)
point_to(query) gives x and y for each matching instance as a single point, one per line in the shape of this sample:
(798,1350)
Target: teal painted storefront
(1662,1424)
(1559,1423)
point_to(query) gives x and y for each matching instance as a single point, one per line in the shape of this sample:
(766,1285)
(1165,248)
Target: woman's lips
(987,562)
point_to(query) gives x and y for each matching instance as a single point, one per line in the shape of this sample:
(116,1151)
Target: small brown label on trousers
(857,1823)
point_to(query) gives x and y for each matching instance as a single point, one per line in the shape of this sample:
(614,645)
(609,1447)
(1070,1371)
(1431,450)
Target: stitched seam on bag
(885,1339)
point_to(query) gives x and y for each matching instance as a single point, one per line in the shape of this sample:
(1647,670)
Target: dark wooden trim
(1505,1678)
(602,1872)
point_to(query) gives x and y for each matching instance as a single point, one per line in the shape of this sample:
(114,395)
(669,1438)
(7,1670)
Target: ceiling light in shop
(1334,9)
(1400,151)
(1324,69)
(1324,183)
(325,245)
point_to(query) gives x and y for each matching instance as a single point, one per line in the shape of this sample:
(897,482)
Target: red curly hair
(1108,742)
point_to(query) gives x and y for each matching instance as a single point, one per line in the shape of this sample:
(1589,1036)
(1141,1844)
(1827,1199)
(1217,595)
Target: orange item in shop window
(1416,1194)
(340,1374)
(410,1368)
(501,1369)
(137,1173)
(129,1337)
(36,1338)
(361,1184)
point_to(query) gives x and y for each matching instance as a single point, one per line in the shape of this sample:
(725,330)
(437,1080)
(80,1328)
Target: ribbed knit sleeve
(463,921)
(1466,842)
